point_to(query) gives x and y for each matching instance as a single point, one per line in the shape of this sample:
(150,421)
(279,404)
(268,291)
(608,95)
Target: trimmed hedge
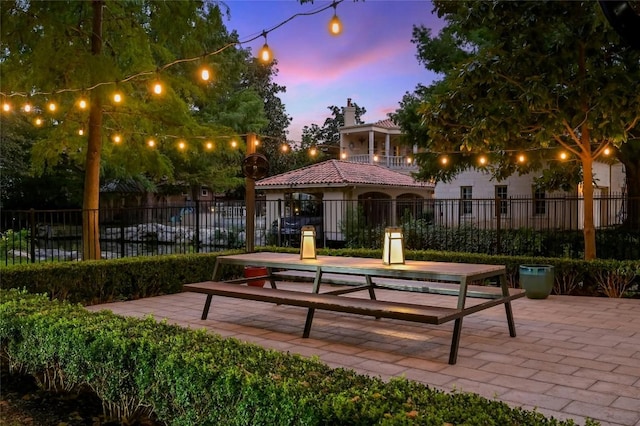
(186,377)
(94,282)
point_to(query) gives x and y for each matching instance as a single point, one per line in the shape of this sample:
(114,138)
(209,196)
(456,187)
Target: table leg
(507,305)
(271,280)
(207,304)
(455,341)
(311,311)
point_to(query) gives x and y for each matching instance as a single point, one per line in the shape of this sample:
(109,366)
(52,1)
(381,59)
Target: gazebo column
(371,147)
(387,147)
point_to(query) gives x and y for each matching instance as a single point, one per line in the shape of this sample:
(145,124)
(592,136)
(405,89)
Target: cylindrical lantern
(308,242)
(393,247)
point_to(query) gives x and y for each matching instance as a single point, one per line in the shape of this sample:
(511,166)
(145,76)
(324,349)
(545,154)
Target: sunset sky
(373,61)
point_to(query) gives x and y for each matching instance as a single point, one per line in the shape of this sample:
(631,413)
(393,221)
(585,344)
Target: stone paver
(573,357)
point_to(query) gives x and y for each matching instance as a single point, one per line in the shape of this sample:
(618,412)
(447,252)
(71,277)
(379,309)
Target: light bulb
(182,145)
(482,160)
(285,147)
(606,151)
(82,104)
(313,152)
(343,156)
(117,138)
(335,26)
(80,132)
(117,97)
(6,107)
(234,144)
(38,121)
(266,55)
(563,155)
(51,106)
(151,143)
(205,75)
(444,161)
(522,158)
(27,107)
(209,146)
(157,88)
(375,158)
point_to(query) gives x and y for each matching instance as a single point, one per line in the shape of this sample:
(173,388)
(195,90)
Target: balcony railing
(396,162)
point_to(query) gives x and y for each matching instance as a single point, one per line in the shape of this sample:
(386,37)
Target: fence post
(32,238)
(498,218)
(196,236)
(122,245)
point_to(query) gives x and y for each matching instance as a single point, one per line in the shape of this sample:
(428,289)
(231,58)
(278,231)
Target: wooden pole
(250,199)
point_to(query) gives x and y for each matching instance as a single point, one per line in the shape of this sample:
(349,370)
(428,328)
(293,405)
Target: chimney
(349,113)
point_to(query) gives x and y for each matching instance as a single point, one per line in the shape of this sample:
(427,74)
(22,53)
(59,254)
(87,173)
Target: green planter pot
(536,280)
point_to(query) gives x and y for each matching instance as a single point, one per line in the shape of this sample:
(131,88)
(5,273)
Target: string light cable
(178,61)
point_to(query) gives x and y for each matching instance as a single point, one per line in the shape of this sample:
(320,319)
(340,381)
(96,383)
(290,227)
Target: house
(375,143)
(474,198)
(332,190)
(469,199)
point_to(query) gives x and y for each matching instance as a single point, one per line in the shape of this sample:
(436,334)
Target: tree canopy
(525,78)
(68,51)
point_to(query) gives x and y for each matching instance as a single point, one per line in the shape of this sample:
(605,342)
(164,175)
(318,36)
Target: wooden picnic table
(358,274)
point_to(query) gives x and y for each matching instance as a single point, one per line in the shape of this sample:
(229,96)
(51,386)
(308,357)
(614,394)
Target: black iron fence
(516,226)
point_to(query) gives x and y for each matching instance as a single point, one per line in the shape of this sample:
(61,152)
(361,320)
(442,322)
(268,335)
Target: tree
(527,75)
(61,51)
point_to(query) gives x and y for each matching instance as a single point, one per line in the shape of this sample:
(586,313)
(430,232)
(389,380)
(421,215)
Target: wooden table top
(448,271)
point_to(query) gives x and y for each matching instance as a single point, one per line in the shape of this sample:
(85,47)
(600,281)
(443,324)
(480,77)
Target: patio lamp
(393,247)
(308,242)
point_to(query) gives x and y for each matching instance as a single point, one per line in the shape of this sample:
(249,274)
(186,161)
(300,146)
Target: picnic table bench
(358,274)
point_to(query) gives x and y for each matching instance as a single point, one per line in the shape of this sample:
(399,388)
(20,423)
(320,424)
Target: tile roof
(388,123)
(341,173)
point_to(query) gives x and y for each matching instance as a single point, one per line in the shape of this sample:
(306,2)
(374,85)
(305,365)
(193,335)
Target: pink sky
(373,61)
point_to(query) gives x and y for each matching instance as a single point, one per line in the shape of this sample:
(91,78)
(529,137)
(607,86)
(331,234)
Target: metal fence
(514,226)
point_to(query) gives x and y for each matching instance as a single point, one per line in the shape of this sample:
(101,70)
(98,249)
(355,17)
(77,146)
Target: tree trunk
(629,155)
(589,229)
(91,196)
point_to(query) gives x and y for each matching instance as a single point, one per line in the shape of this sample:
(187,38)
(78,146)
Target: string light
(27,108)
(265,55)
(6,106)
(208,145)
(563,155)
(51,106)
(444,160)
(335,26)
(522,158)
(81,132)
(234,144)
(182,145)
(38,121)
(313,151)
(117,97)
(205,73)
(157,88)
(82,103)
(482,160)
(606,151)
(151,143)
(284,147)
(116,138)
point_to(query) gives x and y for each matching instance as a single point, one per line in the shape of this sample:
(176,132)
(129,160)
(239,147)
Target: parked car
(289,232)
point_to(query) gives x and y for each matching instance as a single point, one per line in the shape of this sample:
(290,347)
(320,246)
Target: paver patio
(573,357)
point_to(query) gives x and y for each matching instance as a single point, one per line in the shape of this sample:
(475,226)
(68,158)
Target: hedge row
(140,367)
(93,282)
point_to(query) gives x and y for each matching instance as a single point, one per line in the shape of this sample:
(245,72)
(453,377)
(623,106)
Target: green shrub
(187,377)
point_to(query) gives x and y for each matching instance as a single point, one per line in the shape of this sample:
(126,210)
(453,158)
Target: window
(466,193)
(204,192)
(539,202)
(501,193)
